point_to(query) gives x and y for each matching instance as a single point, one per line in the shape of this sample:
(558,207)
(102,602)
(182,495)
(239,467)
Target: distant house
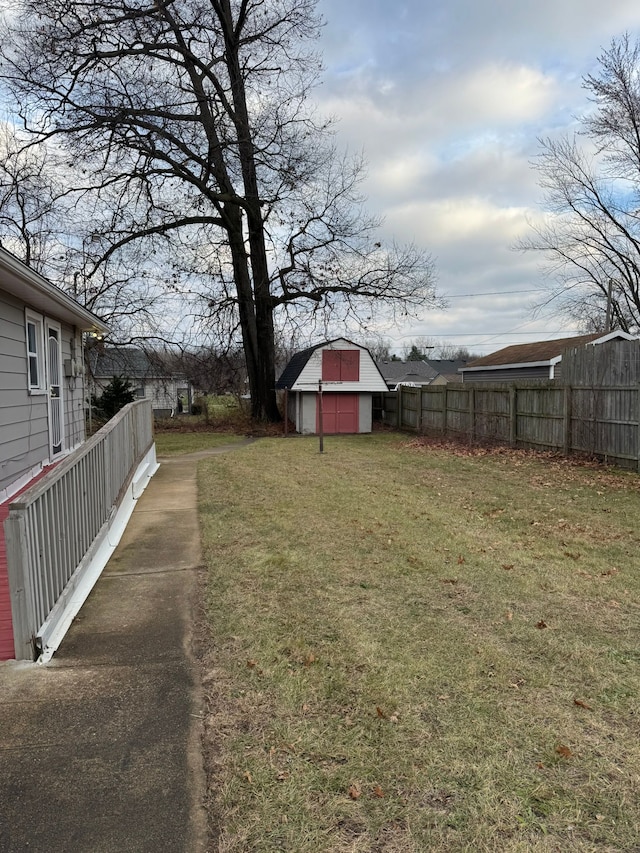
(423,372)
(150,378)
(447,369)
(348,377)
(42,394)
(410,373)
(540,360)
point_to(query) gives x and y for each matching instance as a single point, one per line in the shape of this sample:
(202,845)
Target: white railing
(54,528)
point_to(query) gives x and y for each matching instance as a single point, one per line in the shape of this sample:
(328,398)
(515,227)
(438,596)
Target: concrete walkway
(100,748)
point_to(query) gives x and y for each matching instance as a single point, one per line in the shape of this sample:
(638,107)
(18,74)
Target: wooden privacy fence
(594,408)
(53,527)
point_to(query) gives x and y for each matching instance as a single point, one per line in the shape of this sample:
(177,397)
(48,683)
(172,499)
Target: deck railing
(53,528)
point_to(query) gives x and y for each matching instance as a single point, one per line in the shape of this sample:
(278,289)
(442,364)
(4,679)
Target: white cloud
(448,99)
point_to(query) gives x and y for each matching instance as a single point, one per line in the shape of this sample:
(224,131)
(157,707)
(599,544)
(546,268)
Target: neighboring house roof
(447,367)
(129,362)
(30,287)
(540,352)
(299,361)
(417,372)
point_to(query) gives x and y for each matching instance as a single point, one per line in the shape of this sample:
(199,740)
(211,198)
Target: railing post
(20,585)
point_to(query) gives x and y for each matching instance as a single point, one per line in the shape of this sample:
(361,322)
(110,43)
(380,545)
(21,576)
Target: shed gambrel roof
(539,352)
(295,366)
(299,361)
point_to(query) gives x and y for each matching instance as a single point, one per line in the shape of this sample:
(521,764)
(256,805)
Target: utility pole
(607,322)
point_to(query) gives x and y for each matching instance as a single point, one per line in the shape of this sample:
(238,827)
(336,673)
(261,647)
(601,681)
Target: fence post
(513,415)
(399,407)
(472,413)
(638,427)
(20,585)
(444,410)
(567,419)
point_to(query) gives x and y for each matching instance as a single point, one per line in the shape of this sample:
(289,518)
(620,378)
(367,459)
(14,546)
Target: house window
(340,365)
(138,391)
(35,352)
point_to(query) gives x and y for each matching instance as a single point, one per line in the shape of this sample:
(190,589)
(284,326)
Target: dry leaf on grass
(541,624)
(377,791)
(582,704)
(564,751)
(354,792)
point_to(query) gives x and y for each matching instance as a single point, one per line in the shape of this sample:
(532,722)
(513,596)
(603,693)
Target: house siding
(24,433)
(73,391)
(24,437)
(509,374)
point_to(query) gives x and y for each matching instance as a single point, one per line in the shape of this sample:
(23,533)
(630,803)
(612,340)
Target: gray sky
(448,99)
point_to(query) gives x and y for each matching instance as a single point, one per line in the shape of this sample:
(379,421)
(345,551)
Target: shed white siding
(303,409)
(365,412)
(370,377)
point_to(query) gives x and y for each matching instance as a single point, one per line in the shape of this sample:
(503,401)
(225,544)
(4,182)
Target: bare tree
(34,205)
(194,115)
(590,238)
(54,225)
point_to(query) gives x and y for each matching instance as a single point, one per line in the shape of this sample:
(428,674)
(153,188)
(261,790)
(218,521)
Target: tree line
(177,142)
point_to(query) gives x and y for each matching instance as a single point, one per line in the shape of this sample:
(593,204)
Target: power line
(490,293)
(562,332)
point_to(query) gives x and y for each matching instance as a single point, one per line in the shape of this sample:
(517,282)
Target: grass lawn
(417,648)
(175,443)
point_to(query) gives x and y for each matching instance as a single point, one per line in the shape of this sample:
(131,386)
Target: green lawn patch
(175,443)
(420,648)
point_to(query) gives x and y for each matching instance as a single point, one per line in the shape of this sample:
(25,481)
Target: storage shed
(338,375)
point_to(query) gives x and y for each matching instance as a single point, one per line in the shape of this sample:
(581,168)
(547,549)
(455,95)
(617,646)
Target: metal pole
(286,412)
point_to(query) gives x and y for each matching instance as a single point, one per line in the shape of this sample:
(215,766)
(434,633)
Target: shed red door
(339,413)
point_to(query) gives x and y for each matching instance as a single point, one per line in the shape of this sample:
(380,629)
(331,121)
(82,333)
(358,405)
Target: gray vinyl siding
(24,432)
(73,391)
(509,374)
(24,437)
